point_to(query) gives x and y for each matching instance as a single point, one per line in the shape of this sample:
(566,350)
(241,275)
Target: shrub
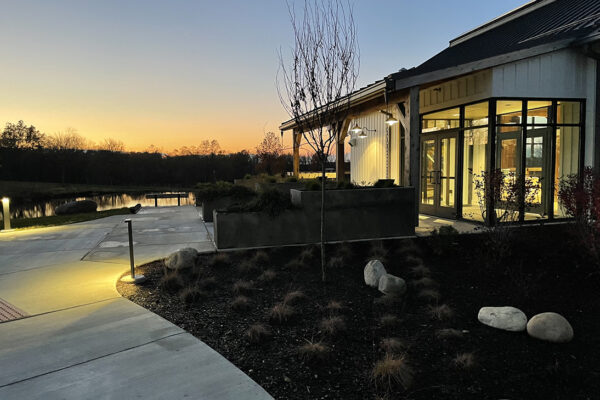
(213,191)
(271,179)
(191,295)
(247,176)
(312,185)
(384,183)
(378,252)
(219,260)
(257,333)
(240,304)
(429,295)
(267,275)
(334,306)
(242,287)
(294,297)
(333,325)
(260,258)
(580,199)
(208,283)
(281,313)
(464,361)
(291,179)
(344,251)
(441,312)
(307,255)
(392,371)
(409,248)
(345,185)
(448,333)
(171,282)
(424,282)
(313,351)
(392,345)
(336,262)
(413,260)
(389,321)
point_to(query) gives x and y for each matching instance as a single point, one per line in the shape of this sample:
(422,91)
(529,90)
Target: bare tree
(270,154)
(317,80)
(113,145)
(69,139)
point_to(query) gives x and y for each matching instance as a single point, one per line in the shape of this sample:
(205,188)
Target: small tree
(318,79)
(270,155)
(580,199)
(21,136)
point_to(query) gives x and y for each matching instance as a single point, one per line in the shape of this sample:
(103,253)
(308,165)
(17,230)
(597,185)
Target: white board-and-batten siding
(368,161)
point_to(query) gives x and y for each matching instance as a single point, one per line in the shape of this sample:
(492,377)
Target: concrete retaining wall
(360,214)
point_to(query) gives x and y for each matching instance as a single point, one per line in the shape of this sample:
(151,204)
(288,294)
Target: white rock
(182,258)
(551,327)
(393,285)
(373,271)
(507,318)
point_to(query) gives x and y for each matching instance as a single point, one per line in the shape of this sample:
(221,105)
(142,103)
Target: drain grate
(8,312)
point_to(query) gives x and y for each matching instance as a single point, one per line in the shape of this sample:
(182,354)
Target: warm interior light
(356,128)
(391,121)
(5,200)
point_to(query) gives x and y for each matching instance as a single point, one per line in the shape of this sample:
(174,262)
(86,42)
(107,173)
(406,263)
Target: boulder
(373,271)
(506,318)
(135,209)
(392,285)
(76,207)
(551,327)
(182,259)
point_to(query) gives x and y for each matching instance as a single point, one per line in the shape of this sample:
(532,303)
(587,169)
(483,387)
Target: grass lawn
(54,220)
(44,190)
(269,314)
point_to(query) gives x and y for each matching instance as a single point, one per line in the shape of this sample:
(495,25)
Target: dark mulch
(541,273)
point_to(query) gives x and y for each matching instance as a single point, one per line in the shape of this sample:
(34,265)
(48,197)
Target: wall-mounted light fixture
(356,128)
(6,213)
(390,120)
(362,131)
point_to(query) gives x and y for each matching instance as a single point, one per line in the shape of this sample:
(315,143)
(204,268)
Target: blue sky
(172,73)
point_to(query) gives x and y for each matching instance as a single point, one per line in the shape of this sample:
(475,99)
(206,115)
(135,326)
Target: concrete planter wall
(360,214)
(283,187)
(217,204)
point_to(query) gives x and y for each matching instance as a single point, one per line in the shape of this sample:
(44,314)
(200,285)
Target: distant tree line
(26,154)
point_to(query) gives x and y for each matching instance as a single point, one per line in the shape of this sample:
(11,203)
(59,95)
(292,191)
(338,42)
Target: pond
(43,208)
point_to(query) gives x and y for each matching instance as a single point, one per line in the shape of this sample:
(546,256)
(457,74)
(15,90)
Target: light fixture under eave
(356,128)
(391,121)
(362,134)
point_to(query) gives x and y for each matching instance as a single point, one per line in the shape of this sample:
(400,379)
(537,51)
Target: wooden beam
(415,147)
(340,163)
(297,139)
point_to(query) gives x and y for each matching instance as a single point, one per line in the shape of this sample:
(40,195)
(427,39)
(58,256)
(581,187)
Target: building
(517,93)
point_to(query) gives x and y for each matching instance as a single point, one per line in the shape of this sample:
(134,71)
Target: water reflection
(44,208)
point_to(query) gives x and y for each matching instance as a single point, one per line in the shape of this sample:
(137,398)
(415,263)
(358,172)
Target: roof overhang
(358,97)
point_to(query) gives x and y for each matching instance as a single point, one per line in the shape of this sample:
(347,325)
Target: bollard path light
(133,278)
(6,213)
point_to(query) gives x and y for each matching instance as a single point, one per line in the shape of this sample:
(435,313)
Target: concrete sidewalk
(80,339)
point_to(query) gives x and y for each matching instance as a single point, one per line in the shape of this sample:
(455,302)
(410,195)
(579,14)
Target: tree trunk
(323,275)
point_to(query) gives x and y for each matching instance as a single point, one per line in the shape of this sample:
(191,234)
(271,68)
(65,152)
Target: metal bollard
(134,278)
(6,213)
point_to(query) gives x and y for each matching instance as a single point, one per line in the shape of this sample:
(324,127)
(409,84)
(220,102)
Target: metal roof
(551,22)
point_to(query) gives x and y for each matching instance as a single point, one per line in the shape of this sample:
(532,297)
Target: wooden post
(415,147)
(340,162)
(297,138)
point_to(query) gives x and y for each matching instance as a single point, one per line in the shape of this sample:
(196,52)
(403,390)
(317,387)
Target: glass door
(438,175)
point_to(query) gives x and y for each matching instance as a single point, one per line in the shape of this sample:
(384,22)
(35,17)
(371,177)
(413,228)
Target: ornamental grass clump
(294,297)
(424,282)
(392,371)
(261,259)
(464,361)
(281,313)
(171,282)
(336,263)
(296,265)
(208,283)
(448,333)
(191,295)
(240,304)
(441,312)
(333,325)
(334,306)
(392,345)
(420,271)
(257,334)
(243,287)
(219,260)
(389,321)
(267,276)
(313,351)
(429,295)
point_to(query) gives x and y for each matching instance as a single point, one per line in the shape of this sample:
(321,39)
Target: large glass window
(474,166)
(539,112)
(476,114)
(568,112)
(566,160)
(509,112)
(441,120)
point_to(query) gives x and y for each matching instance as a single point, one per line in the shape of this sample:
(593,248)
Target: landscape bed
(540,273)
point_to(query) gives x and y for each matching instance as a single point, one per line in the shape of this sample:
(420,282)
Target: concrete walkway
(80,339)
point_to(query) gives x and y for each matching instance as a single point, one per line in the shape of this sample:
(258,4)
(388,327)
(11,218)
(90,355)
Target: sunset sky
(173,73)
